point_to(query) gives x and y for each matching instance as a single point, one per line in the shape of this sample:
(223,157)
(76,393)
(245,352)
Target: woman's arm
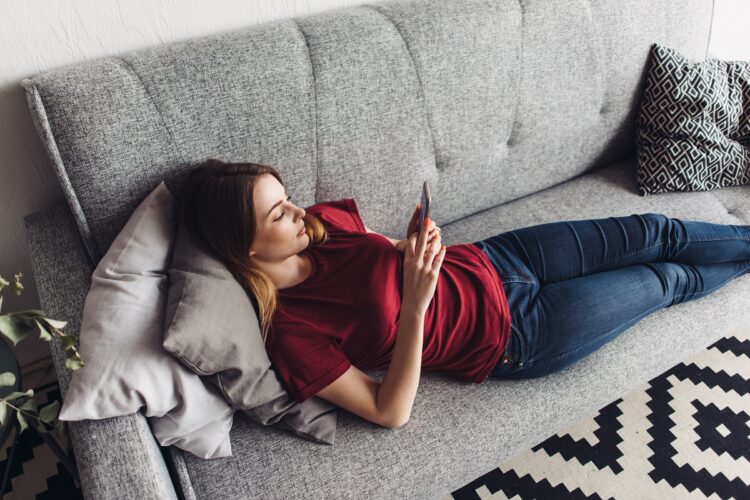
(399,386)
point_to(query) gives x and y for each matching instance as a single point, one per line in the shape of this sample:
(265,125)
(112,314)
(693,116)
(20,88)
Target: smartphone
(424,212)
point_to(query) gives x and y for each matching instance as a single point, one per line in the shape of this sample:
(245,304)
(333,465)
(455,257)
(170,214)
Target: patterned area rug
(35,472)
(683,434)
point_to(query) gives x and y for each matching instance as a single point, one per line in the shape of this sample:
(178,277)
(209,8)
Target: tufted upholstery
(500,98)
(517,112)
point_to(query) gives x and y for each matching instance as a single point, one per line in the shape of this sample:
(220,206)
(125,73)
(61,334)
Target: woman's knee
(655,218)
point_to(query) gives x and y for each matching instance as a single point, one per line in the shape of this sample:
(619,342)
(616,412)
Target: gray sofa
(517,113)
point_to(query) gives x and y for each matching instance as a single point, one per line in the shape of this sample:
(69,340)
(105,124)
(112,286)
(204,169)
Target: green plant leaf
(7,379)
(61,431)
(16,395)
(73,364)
(3,282)
(42,329)
(68,341)
(49,412)
(55,323)
(30,406)
(14,328)
(30,313)
(22,421)
(3,412)
(1,299)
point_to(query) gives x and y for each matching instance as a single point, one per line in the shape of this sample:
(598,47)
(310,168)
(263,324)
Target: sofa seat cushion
(459,429)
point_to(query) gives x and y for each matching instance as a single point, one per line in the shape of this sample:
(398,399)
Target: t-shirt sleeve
(306,362)
(339,215)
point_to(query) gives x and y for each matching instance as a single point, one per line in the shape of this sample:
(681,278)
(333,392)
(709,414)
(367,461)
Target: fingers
(413,222)
(415,215)
(426,242)
(438,260)
(433,243)
(423,237)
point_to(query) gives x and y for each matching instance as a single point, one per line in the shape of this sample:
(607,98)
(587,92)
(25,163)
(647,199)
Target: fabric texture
(63,273)
(422,89)
(510,126)
(693,129)
(644,262)
(211,325)
(682,434)
(125,367)
(347,311)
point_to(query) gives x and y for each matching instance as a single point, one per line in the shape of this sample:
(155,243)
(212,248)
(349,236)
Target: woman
(332,294)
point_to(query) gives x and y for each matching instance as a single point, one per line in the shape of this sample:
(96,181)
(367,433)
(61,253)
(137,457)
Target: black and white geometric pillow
(693,128)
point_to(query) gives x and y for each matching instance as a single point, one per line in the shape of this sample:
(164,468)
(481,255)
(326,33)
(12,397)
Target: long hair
(216,206)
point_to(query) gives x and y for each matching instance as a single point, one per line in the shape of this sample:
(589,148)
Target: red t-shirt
(347,311)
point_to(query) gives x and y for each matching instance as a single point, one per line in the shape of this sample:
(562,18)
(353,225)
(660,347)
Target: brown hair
(216,206)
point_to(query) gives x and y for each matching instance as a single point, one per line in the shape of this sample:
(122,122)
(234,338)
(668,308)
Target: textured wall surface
(37,35)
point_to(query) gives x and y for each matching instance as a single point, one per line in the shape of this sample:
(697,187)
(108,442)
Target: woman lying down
(335,297)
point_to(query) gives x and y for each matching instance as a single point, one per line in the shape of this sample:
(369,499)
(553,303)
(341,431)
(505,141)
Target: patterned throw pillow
(693,130)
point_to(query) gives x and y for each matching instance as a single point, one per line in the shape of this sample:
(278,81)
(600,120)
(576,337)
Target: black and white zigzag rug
(35,471)
(683,434)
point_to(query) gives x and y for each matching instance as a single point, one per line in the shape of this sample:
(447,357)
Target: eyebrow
(277,204)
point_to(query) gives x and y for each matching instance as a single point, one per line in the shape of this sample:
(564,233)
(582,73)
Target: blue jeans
(573,286)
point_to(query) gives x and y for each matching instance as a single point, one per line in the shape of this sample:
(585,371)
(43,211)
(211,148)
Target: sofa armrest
(117,457)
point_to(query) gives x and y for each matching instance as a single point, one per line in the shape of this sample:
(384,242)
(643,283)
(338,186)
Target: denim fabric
(572,286)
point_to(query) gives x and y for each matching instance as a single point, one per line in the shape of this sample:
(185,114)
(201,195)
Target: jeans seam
(660,306)
(662,243)
(641,250)
(569,353)
(521,345)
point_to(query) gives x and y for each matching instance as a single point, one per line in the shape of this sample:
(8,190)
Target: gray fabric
(105,450)
(211,325)
(516,114)
(125,367)
(693,130)
(363,101)
(458,431)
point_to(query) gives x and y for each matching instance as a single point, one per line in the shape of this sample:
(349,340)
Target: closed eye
(282,212)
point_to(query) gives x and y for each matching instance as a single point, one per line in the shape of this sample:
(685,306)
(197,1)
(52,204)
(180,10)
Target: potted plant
(16,326)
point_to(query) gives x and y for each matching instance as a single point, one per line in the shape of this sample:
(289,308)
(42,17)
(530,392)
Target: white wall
(730,37)
(38,35)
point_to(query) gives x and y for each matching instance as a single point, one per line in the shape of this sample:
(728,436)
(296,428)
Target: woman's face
(278,222)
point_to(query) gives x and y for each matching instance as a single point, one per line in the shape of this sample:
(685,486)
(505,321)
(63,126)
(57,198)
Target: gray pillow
(693,129)
(211,325)
(126,369)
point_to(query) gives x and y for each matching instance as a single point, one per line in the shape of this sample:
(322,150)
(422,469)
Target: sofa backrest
(487,100)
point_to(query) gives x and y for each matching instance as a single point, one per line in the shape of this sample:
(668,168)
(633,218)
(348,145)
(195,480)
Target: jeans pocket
(513,353)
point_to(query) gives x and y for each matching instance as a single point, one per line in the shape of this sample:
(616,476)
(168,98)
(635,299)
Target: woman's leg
(559,323)
(558,251)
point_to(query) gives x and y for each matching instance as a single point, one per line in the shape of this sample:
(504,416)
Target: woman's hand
(412,228)
(423,258)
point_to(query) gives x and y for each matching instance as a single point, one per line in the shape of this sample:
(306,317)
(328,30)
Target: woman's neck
(292,274)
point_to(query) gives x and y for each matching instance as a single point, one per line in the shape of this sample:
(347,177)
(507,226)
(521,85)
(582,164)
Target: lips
(301,231)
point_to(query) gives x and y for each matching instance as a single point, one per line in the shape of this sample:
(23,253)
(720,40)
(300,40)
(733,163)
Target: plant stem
(27,413)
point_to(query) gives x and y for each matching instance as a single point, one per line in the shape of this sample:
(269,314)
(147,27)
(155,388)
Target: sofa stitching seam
(316,148)
(422,95)
(129,68)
